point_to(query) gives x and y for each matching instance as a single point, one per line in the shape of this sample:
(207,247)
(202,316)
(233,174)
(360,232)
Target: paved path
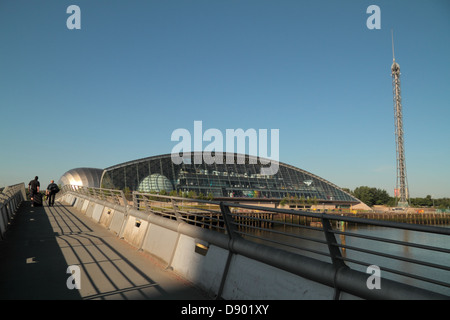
(42,242)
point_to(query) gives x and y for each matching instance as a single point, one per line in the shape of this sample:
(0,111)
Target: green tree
(201,196)
(365,194)
(192,194)
(372,196)
(382,197)
(284,201)
(127,193)
(173,193)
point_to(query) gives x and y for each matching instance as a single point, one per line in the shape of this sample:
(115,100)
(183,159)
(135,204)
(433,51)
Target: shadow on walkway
(43,241)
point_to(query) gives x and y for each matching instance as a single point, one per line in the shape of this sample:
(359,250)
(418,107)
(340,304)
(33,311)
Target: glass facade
(237,180)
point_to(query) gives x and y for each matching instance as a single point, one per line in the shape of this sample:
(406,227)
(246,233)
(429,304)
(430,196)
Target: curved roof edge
(188,154)
(88,177)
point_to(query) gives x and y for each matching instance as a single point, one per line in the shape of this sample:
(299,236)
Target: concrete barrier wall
(206,270)
(135,230)
(117,221)
(251,279)
(4,219)
(106,217)
(161,242)
(201,256)
(10,200)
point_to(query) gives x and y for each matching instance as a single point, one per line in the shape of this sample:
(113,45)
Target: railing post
(124,199)
(335,253)
(135,200)
(228,219)
(233,235)
(176,210)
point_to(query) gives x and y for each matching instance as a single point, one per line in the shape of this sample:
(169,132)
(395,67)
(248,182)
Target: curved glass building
(240,179)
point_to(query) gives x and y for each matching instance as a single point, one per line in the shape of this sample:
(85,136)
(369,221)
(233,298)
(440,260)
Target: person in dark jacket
(33,187)
(52,190)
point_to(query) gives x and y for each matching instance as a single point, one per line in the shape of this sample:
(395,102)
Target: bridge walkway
(42,242)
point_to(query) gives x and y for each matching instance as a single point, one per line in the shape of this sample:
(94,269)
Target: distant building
(88,177)
(240,182)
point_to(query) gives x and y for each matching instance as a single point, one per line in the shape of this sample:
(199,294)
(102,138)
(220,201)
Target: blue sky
(137,70)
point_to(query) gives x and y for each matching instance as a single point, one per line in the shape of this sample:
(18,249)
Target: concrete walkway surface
(42,242)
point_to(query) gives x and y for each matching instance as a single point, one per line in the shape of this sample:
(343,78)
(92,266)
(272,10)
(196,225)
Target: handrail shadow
(44,241)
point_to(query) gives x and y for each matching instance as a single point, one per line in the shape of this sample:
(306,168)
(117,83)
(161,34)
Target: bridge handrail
(111,195)
(10,199)
(244,224)
(329,232)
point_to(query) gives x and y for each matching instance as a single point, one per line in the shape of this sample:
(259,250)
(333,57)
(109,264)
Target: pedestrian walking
(33,188)
(52,190)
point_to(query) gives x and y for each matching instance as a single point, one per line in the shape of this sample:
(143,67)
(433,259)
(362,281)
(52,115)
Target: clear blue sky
(116,89)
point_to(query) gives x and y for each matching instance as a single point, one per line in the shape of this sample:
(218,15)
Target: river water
(384,263)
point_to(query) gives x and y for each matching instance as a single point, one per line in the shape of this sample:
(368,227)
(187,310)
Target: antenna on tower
(393,55)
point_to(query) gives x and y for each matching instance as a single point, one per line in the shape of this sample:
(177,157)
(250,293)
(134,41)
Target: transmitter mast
(401,193)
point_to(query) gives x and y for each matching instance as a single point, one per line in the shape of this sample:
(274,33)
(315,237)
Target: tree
(382,197)
(173,193)
(192,194)
(365,194)
(422,202)
(372,196)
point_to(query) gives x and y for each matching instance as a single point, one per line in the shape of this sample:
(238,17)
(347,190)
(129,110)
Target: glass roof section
(236,180)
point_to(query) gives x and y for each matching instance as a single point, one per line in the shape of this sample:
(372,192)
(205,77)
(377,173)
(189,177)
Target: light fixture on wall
(201,247)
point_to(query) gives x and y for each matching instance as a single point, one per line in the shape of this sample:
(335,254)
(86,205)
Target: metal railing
(328,237)
(10,199)
(110,195)
(346,244)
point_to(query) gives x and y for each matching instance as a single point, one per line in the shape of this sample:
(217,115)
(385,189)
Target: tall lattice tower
(402,183)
